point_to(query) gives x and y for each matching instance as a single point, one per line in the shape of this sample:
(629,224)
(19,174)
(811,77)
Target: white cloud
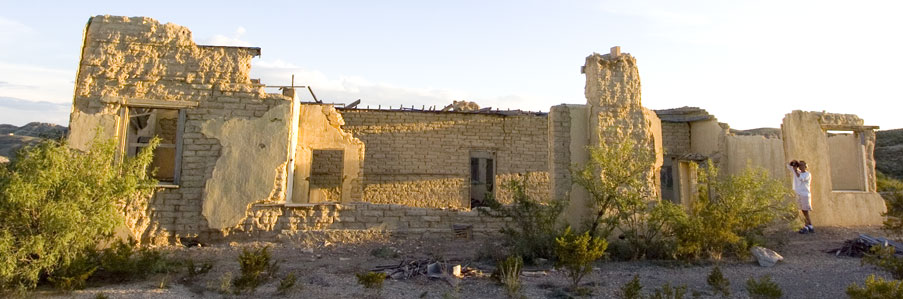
(36,83)
(12,31)
(223,40)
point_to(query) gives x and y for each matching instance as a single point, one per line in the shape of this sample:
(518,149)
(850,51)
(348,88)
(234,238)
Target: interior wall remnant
(320,128)
(245,172)
(422,158)
(805,138)
(847,165)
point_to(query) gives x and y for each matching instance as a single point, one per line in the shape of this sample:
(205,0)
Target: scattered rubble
(860,246)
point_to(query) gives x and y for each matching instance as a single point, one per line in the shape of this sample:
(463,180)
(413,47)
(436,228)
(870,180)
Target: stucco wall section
(422,159)
(88,124)
(320,127)
(250,162)
(708,138)
(755,151)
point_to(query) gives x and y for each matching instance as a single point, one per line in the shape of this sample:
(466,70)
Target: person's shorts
(805,201)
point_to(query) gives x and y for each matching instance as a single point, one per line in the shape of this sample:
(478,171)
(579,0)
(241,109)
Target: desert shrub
(719,283)
(532,231)
(256,267)
(883,257)
(74,275)
(225,284)
(764,288)
(632,289)
(507,272)
(124,261)
(371,280)
(56,203)
(892,191)
(669,292)
(616,177)
(576,254)
(286,284)
(731,213)
(193,270)
(876,288)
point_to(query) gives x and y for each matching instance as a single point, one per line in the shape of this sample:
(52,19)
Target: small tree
(576,254)
(731,212)
(531,233)
(58,203)
(617,179)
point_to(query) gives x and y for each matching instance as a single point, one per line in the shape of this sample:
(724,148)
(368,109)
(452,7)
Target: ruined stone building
(235,161)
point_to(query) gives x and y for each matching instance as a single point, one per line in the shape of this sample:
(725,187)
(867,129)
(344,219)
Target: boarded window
(326,175)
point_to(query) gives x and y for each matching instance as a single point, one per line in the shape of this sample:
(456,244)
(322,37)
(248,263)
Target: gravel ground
(328,272)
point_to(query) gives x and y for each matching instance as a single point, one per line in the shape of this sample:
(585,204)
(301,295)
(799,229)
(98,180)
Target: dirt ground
(326,270)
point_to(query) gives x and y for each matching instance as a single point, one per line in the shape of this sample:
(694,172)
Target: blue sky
(746,62)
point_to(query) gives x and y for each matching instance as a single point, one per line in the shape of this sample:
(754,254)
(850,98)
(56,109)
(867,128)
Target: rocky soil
(327,271)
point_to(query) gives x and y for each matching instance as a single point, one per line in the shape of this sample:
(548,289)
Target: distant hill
(889,152)
(12,137)
(767,132)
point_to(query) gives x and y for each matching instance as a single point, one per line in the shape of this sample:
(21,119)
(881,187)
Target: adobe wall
(138,61)
(422,158)
(805,138)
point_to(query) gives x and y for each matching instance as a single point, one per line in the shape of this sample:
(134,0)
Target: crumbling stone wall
(422,159)
(280,221)
(676,138)
(140,62)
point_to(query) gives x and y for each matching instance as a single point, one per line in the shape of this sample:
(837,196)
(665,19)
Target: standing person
(802,185)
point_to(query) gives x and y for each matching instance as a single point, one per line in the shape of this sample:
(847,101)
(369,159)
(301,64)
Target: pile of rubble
(860,246)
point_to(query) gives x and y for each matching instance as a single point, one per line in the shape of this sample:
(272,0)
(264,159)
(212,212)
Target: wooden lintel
(834,127)
(159,104)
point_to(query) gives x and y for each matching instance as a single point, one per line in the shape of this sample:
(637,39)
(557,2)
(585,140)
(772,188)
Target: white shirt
(802,184)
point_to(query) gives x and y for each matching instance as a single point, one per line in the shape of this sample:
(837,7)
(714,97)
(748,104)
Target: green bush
(286,284)
(256,267)
(719,283)
(883,257)
(669,292)
(731,213)
(764,288)
(576,254)
(74,275)
(371,280)
(531,233)
(876,288)
(617,179)
(892,191)
(616,176)
(124,261)
(57,203)
(632,289)
(507,272)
